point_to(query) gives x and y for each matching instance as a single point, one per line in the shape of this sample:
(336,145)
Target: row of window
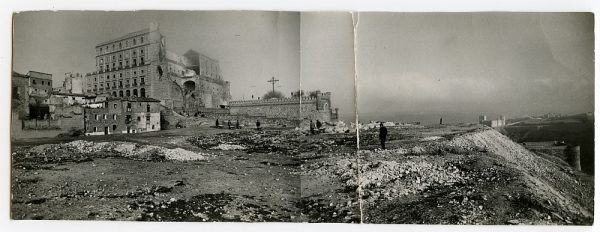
(114,128)
(127,93)
(43,83)
(108,58)
(120,45)
(120,74)
(115,117)
(114,83)
(117,66)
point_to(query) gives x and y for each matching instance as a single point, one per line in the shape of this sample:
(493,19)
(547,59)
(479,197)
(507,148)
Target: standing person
(229,124)
(382,135)
(237,124)
(217,123)
(319,124)
(440,121)
(312,128)
(257,125)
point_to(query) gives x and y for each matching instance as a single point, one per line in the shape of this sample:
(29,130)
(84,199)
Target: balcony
(134,84)
(142,83)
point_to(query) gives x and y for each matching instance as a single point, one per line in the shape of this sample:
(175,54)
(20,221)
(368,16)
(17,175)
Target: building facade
(122,116)
(138,64)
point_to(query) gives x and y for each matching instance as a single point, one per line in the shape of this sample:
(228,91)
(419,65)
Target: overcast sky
(471,63)
(442,64)
(251,47)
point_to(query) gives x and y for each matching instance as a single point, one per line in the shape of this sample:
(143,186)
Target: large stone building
(138,64)
(121,115)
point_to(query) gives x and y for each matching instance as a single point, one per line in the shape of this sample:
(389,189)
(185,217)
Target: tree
(273,94)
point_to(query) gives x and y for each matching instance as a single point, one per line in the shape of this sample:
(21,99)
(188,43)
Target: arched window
(135,93)
(127,93)
(142,92)
(121,93)
(114,94)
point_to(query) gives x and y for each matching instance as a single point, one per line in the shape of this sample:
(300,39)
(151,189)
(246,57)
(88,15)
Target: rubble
(82,148)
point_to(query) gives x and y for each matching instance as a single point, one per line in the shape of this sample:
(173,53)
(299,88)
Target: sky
(460,65)
(410,66)
(315,49)
(251,47)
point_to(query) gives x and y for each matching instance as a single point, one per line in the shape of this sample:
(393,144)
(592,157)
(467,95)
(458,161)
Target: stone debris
(228,147)
(103,149)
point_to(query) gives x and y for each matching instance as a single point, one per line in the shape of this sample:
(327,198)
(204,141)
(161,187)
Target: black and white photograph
(344,117)
(476,118)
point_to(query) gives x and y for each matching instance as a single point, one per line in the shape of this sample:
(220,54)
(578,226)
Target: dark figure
(440,121)
(382,134)
(229,124)
(319,124)
(217,123)
(312,128)
(237,124)
(257,125)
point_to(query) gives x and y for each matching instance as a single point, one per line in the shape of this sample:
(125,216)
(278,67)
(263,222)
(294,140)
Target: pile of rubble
(107,149)
(390,179)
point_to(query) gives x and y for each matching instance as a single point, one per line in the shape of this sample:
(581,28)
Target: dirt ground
(189,174)
(446,174)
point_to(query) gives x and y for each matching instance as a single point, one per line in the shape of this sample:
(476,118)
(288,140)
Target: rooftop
(129,35)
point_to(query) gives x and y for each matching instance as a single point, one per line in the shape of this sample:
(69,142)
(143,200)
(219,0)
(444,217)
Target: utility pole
(273,81)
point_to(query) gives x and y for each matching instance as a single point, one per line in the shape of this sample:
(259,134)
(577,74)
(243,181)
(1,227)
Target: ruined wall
(305,108)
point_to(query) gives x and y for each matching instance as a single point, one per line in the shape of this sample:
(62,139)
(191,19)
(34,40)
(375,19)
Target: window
(141,60)
(143,92)
(120,56)
(96,118)
(134,42)
(134,72)
(101,60)
(134,53)
(114,127)
(142,39)
(120,75)
(142,80)
(135,93)
(105,106)
(152,127)
(34,82)
(127,94)
(114,115)
(121,93)
(115,105)
(139,118)
(147,118)
(104,117)
(126,43)
(107,85)
(113,48)
(141,52)
(95,79)
(95,129)
(142,71)
(100,50)
(147,107)
(121,85)
(120,45)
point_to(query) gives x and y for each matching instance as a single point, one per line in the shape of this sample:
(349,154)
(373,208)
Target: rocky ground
(190,174)
(455,174)
(467,174)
